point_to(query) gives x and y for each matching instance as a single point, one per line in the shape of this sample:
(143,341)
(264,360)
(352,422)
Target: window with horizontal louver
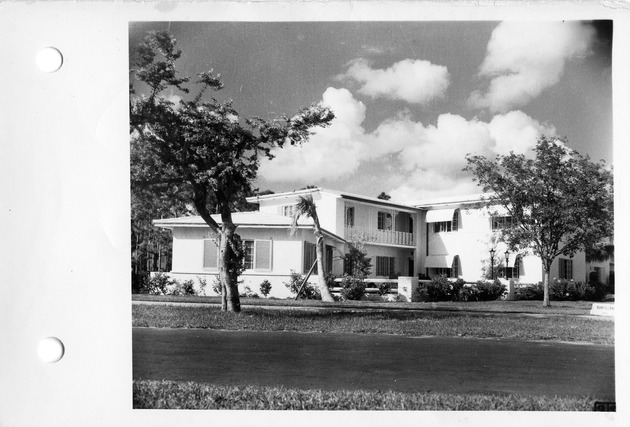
(210,254)
(262,255)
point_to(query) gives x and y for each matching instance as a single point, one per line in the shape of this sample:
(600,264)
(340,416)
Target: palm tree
(306,206)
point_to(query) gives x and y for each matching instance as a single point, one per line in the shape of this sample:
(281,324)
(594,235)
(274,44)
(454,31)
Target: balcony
(385,237)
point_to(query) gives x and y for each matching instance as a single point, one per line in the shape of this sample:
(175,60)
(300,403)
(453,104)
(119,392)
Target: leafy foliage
(442,289)
(560,202)
(248,293)
(563,290)
(356,261)
(265,288)
(384,288)
(306,207)
(600,252)
(352,288)
(490,291)
(308,291)
(163,284)
(200,149)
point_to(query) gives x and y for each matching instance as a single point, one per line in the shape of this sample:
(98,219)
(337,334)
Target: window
(442,226)
(288,210)
(500,222)
(350,216)
(411,225)
(384,221)
(248,258)
(385,266)
(210,254)
(310,255)
(257,254)
(262,254)
(566,269)
(456,220)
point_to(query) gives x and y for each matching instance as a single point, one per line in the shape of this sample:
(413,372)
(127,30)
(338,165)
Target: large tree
(306,207)
(560,202)
(202,146)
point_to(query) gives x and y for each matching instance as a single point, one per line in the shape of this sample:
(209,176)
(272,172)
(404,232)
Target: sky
(411,99)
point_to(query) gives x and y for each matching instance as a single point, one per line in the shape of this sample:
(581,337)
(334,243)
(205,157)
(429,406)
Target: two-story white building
(455,236)
(461,239)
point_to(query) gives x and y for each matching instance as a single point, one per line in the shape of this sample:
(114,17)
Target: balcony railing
(387,237)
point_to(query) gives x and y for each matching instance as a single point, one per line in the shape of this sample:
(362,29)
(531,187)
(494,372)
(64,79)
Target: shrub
(139,282)
(352,288)
(469,293)
(456,289)
(356,262)
(530,292)
(157,285)
(490,291)
(216,285)
(176,287)
(248,293)
(563,290)
(188,287)
(438,289)
(295,281)
(384,288)
(265,288)
(568,290)
(203,282)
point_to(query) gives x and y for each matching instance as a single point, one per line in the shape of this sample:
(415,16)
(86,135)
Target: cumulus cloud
(414,81)
(430,184)
(427,158)
(331,153)
(525,58)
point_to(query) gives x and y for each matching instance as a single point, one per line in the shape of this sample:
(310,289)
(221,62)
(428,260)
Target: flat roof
(254,219)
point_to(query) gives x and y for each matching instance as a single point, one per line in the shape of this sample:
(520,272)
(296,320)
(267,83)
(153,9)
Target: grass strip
(502,306)
(190,395)
(417,323)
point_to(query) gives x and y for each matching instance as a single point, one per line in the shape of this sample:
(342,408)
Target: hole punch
(49,59)
(50,349)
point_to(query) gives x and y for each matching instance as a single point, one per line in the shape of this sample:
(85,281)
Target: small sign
(605,407)
(602,309)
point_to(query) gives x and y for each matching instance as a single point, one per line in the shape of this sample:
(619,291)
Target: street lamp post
(492,263)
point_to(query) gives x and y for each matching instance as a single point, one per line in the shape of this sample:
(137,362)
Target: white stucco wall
(287,255)
(473,241)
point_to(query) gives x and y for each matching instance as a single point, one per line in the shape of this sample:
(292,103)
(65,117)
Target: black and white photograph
(372,215)
(306,213)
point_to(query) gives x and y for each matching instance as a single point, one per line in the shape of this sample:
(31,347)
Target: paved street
(354,361)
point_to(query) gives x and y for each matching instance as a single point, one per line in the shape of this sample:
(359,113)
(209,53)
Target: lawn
(191,395)
(410,322)
(532,307)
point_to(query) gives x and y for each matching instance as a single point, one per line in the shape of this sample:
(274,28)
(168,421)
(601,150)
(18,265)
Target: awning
(439,261)
(439,215)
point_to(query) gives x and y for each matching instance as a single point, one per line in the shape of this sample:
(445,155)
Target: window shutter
(310,255)
(210,254)
(263,255)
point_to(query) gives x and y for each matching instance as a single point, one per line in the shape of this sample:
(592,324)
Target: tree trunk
(227,275)
(323,287)
(546,272)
